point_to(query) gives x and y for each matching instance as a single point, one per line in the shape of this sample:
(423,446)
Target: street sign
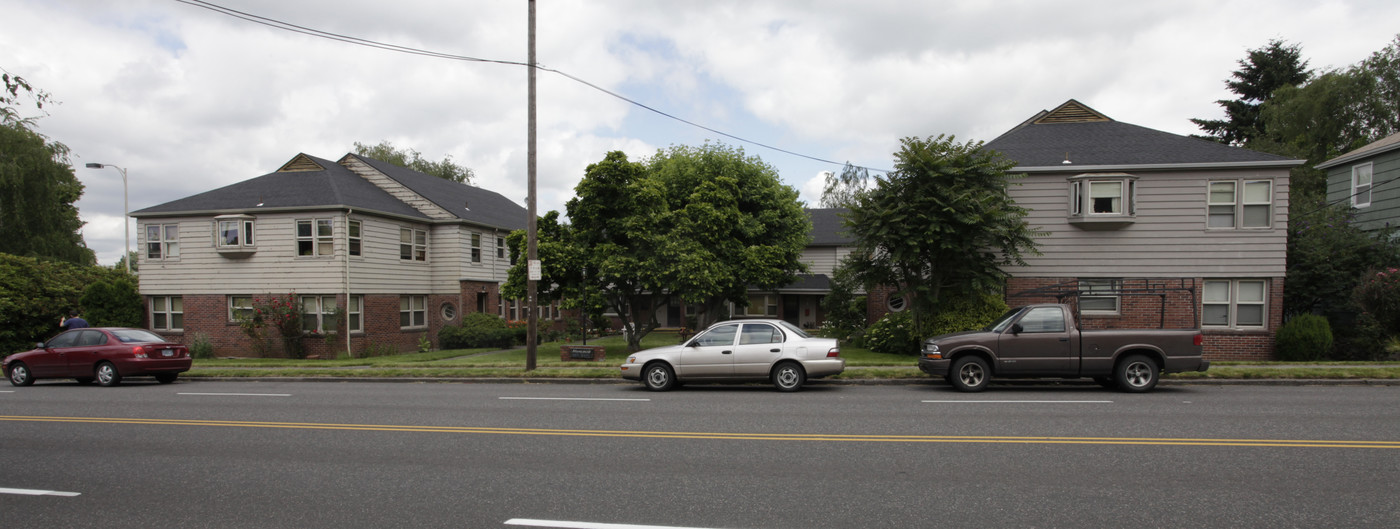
(535,272)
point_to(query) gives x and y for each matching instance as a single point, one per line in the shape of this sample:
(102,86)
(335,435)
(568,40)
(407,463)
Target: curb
(1379,382)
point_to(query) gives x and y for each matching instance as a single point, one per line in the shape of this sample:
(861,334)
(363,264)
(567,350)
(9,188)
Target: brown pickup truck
(1044,341)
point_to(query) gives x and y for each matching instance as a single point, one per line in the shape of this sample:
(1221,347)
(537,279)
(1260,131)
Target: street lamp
(126,214)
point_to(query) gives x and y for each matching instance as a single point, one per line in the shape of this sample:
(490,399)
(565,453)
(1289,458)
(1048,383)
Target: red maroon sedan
(105,355)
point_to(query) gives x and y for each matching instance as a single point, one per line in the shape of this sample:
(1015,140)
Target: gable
(1071,112)
(300,163)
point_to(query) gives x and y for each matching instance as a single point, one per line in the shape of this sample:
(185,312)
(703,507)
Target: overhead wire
(287,26)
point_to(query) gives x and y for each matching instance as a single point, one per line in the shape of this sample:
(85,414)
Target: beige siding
(824,259)
(1168,237)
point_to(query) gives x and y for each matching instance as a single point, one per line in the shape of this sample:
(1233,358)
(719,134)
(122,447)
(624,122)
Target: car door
(1037,344)
(760,344)
(83,356)
(52,361)
(711,354)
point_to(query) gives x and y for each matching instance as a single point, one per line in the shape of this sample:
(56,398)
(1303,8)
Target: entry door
(1042,346)
(791,311)
(711,354)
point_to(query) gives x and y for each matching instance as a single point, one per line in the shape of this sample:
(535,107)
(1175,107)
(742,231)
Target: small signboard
(536,273)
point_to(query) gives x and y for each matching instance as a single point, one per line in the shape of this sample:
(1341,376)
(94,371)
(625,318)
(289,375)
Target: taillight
(1199,340)
(834,352)
(138,351)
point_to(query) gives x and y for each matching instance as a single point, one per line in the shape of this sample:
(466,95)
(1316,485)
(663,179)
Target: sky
(189,100)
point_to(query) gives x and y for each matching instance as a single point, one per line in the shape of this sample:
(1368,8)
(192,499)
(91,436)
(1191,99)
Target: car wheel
(84,381)
(166,378)
(20,375)
(107,375)
(1106,382)
(658,377)
(970,374)
(789,376)
(1136,374)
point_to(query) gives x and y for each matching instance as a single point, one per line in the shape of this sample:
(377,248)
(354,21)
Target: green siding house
(1366,178)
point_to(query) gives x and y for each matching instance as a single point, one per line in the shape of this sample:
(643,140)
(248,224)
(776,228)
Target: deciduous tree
(412,159)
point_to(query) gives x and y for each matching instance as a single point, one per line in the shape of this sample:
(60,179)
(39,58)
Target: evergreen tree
(1261,72)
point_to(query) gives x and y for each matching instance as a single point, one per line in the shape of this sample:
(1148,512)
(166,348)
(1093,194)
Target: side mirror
(39,345)
(1016,328)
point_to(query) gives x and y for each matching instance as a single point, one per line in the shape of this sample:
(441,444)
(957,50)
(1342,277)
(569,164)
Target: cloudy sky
(189,100)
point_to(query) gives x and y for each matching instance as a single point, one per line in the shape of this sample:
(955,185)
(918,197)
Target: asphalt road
(367,454)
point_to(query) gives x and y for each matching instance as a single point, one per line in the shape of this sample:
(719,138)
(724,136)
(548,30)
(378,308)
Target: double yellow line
(831,438)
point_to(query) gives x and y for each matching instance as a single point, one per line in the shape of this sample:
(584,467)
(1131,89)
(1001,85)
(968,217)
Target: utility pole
(532,329)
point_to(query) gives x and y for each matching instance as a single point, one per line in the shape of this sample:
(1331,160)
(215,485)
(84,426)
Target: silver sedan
(740,350)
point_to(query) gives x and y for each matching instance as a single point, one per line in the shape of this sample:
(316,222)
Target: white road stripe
(1019,401)
(8,391)
(240,394)
(587,525)
(31,492)
(572,398)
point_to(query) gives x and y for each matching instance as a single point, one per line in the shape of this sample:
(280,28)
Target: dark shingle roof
(1045,141)
(336,186)
(829,228)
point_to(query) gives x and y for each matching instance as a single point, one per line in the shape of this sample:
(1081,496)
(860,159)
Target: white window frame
(500,247)
(242,227)
(235,307)
(1088,286)
(164,239)
(413,245)
(355,315)
(1358,188)
(169,310)
(1236,294)
(320,238)
(413,311)
(354,238)
(317,310)
(767,309)
(1081,195)
(476,247)
(1238,204)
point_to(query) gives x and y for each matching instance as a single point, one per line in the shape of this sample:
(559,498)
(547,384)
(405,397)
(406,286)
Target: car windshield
(137,336)
(794,329)
(1001,323)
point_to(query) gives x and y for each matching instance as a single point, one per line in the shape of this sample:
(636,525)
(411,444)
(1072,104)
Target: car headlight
(931,352)
(631,359)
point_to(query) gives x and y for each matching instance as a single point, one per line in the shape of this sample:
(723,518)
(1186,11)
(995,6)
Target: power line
(286,26)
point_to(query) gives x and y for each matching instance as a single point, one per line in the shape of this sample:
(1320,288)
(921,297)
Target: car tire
(658,377)
(970,374)
(85,381)
(20,375)
(166,378)
(1136,374)
(107,375)
(789,377)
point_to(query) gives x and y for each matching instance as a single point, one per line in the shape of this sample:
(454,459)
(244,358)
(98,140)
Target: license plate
(167,352)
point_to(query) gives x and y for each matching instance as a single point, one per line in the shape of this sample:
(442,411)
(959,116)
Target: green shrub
(1379,295)
(113,302)
(478,330)
(201,346)
(965,313)
(34,294)
(893,334)
(1307,337)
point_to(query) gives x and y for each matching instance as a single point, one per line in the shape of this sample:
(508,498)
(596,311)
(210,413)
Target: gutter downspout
(346,316)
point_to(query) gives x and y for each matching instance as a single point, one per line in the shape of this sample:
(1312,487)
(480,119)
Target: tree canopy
(37,186)
(412,159)
(941,222)
(1261,73)
(697,225)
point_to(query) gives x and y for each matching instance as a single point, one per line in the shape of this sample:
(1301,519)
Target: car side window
(718,336)
(760,333)
(67,339)
(88,338)
(1043,319)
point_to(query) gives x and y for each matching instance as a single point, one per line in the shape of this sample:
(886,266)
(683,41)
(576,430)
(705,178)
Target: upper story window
(1102,200)
(233,234)
(162,241)
(353,237)
(1361,185)
(1240,204)
(314,238)
(500,247)
(476,247)
(413,245)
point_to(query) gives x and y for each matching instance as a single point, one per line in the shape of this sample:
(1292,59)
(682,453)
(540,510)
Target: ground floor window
(1234,303)
(762,305)
(413,311)
(354,314)
(167,313)
(1099,296)
(240,308)
(318,314)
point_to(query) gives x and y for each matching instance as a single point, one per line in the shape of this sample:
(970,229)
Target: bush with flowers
(893,334)
(1379,295)
(275,316)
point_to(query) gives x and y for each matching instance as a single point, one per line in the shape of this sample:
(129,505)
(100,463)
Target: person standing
(72,321)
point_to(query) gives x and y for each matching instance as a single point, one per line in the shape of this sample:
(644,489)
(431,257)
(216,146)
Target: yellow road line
(1286,443)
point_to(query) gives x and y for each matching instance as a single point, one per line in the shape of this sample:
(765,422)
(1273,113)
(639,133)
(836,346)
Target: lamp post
(126,212)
